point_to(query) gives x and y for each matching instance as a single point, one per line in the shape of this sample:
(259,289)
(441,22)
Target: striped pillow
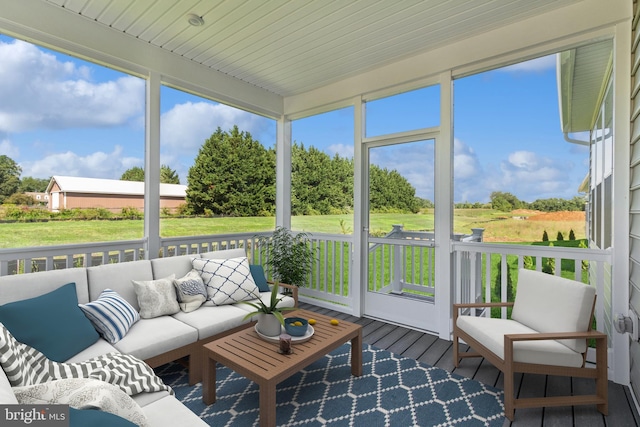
(111,315)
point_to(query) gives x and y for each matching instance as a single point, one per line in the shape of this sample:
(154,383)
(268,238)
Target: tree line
(234,175)
(507,202)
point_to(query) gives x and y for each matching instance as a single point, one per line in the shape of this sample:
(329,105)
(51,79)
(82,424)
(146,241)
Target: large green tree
(136,173)
(9,177)
(390,191)
(38,185)
(168,175)
(233,175)
(505,202)
(320,184)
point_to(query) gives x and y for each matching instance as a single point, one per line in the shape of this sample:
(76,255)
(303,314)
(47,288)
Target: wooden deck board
(433,351)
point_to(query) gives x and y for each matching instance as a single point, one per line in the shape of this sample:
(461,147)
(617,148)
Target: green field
(499,227)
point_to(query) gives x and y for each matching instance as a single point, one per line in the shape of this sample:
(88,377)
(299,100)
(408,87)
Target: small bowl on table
(296,326)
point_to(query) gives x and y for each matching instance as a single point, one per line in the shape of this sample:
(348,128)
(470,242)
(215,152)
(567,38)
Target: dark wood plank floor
(437,352)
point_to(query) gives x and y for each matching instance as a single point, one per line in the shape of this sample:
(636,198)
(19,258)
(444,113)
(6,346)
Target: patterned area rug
(393,391)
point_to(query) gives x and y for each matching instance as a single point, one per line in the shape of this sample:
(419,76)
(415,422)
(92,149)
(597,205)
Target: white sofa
(156,340)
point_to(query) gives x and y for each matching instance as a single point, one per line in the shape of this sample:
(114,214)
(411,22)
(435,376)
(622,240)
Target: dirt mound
(524,212)
(558,216)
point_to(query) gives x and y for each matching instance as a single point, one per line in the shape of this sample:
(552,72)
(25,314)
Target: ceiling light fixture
(195,20)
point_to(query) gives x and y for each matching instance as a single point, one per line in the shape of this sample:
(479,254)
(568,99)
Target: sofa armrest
(292,288)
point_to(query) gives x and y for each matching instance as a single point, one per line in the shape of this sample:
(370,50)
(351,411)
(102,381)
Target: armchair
(547,334)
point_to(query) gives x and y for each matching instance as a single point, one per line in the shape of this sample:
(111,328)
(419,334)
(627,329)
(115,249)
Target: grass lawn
(499,227)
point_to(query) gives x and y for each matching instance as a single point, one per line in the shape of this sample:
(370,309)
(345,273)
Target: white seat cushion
(168,411)
(99,348)
(210,321)
(490,333)
(151,337)
(6,393)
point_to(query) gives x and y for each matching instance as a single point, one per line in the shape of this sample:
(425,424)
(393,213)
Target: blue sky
(63,116)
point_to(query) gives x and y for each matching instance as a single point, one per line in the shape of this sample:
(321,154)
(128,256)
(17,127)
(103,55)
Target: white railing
(44,258)
(476,284)
(187,245)
(329,283)
(403,263)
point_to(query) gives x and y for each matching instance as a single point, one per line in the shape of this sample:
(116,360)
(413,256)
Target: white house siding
(634,197)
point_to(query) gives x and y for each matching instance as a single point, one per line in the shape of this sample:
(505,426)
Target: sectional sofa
(155,338)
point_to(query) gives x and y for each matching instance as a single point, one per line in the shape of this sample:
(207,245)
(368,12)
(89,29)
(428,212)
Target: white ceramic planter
(268,324)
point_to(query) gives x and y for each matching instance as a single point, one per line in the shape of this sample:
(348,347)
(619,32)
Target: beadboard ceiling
(290,47)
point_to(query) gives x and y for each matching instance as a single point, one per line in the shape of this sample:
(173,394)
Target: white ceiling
(289,47)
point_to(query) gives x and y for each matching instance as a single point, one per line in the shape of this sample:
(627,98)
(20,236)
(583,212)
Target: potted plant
(289,256)
(270,316)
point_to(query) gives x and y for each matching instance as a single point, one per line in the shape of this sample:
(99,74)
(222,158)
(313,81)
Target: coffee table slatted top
(259,360)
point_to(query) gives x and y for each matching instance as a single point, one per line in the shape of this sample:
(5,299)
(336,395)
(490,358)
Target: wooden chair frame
(509,367)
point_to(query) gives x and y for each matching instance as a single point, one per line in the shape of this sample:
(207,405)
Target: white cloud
(465,162)
(39,91)
(186,126)
(342,150)
(530,176)
(97,165)
(535,65)
(8,149)
(414,161)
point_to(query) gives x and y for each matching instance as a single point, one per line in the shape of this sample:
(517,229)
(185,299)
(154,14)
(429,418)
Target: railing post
(396,281)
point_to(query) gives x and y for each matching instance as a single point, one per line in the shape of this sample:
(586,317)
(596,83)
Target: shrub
(549,264)
(572,235)
(182,209)
(545,236)
(498,284)
(131,213)
(20,199)
(559,236)
(527,262)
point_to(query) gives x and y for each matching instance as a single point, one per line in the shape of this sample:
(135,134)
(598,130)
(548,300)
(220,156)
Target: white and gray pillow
(156,297)
(191,291)
(227,280)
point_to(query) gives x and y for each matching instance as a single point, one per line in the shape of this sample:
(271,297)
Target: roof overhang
(583,74)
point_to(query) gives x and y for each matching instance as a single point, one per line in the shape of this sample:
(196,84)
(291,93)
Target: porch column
(359,255)
(283,172)
(152,167)
(620,250)
(444,209)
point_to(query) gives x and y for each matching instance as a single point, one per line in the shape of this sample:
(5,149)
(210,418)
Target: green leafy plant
(272,308)
(289,256)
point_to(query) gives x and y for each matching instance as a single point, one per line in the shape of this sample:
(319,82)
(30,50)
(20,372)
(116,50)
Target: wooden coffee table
(259,360)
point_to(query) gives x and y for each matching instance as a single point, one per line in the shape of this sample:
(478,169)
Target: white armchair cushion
(490,333)
(547,303)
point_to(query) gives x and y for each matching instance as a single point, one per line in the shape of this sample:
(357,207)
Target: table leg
(209,380)
(268,404)
(356,354)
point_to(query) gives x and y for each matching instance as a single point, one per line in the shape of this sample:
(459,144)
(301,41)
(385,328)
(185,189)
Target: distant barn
(70,192)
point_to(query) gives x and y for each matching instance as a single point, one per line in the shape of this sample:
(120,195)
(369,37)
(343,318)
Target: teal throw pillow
(96,418)
(258,276)
(51,323)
